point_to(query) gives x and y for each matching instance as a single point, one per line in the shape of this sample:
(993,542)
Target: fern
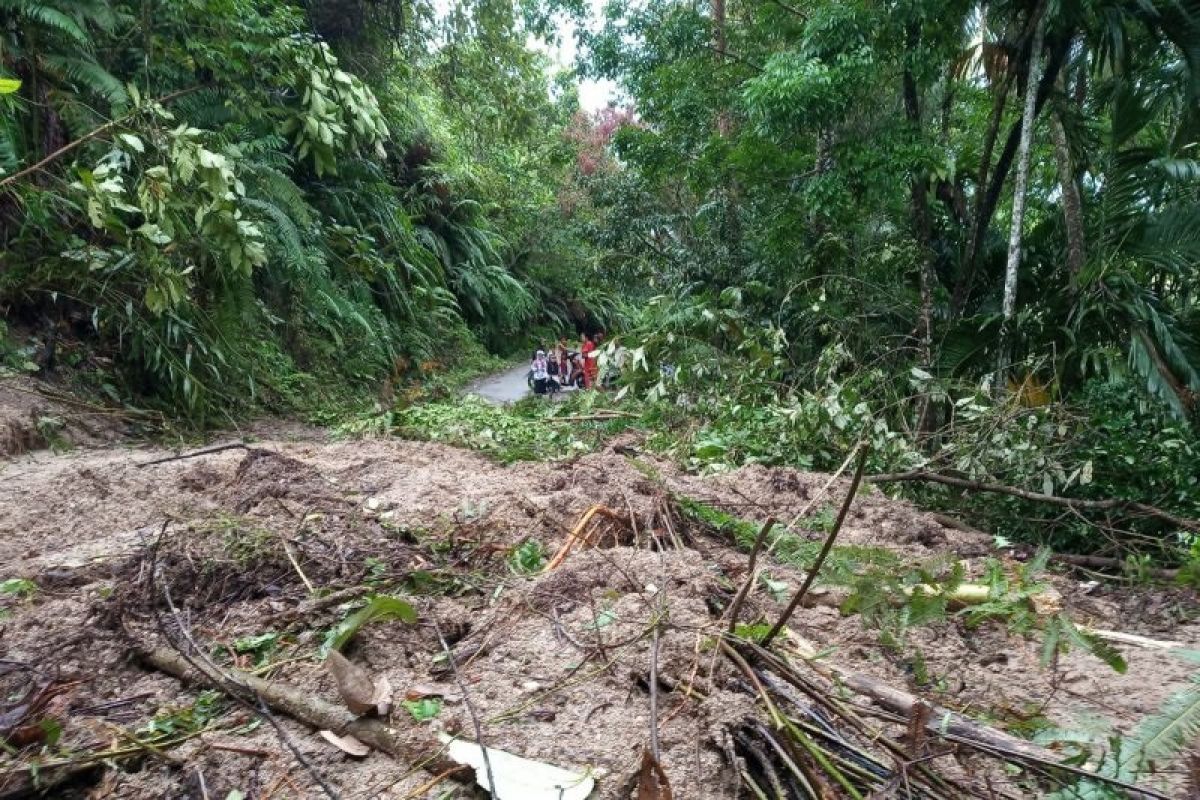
(51,19)
(89,75)
(1169,731)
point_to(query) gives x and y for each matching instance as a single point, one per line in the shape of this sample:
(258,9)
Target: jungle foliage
(820,201)
(235,203)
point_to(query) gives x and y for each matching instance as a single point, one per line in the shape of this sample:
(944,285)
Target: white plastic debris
(520,778)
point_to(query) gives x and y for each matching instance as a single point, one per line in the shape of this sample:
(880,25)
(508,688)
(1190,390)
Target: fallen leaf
(383,696)
(1046,602)
(652,780)
(347,744)
(354,683)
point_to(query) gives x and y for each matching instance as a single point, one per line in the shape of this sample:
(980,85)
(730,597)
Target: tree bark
(1004,351)
(923,231)
(986,204)
(1072,204)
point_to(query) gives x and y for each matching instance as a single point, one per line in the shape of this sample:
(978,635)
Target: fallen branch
(1132,639)
(92,134)
(941,722)
(1110,563)
(203,451)
(600,416)
(798,597)
(412,745)
(1038,497)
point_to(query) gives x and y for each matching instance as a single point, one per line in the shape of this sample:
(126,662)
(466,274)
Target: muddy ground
(556,665)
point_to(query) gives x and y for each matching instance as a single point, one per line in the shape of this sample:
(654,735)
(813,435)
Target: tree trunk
(1004,351)
(1072,203)
(986,206)
(923,231)
(720,42)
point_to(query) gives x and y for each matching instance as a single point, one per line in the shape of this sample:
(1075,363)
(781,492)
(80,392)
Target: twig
(62,151)
(203,785)
(819,496)
(287,549)
(654,675)
(1038,497)
(245,751)
(425,787)
(204,451)
(462,687)
(829,540)
(313,606)
(736,606)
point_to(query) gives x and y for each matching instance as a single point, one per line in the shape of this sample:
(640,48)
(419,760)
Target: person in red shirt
(591,367)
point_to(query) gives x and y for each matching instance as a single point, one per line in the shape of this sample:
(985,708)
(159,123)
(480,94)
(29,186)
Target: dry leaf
(382,697)
(1047,602)
(354,683)
(652,781)
(347,744)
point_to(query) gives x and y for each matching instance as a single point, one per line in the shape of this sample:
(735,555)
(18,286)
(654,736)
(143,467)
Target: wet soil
(556,664)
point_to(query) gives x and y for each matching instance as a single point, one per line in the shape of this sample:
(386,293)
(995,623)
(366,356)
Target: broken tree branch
(411,745)
(736,606)
(1038,497)
(829,540)
(941,722)
(92,134)
(1110,563)
(203,451)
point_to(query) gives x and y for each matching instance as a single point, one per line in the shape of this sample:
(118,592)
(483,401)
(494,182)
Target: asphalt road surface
(502,387)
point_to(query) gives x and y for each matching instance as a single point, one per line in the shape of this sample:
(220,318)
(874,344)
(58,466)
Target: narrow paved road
(503,387)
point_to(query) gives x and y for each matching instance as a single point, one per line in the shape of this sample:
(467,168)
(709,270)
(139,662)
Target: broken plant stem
(736,606)
(462,687)
(820,495)
(829,540)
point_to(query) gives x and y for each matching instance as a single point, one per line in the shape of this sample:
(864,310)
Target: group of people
(562,366)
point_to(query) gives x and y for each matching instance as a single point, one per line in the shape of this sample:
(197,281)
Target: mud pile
(239,547)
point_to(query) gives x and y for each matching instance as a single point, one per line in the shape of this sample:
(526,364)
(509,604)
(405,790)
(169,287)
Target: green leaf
(378,608)
(9,85)
(424,709)
(132,141)
(18,587)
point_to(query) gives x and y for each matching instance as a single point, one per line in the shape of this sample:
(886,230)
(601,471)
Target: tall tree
(1016,228)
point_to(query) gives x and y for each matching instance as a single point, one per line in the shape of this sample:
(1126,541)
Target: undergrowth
(533,429)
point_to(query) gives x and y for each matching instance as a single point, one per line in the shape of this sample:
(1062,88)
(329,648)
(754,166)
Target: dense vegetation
(964,235)
(244,202)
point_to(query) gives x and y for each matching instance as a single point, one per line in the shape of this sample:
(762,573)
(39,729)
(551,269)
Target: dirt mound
(259,553)
(35,415)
